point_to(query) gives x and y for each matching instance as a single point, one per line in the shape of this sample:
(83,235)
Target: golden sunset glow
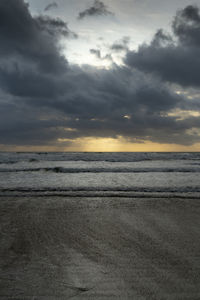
(122,145)
(105,145)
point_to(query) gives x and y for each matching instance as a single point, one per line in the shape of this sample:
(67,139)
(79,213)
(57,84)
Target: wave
(103,170)
(6,157)
(8,162)
(103,189)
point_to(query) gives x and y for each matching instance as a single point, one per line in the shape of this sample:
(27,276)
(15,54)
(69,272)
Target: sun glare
(79,54)
(120,144)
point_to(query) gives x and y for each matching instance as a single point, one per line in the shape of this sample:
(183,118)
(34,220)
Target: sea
(100,174)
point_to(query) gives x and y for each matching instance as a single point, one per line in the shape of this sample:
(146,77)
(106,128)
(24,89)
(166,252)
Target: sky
(92,75)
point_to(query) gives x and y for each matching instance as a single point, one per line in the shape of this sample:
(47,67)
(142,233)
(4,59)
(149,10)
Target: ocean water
(100,174)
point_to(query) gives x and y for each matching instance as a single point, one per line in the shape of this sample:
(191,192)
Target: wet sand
(99,248)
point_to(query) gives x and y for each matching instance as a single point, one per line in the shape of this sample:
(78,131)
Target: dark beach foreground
(99,248)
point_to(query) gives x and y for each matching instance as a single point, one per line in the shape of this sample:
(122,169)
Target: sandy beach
(99,248)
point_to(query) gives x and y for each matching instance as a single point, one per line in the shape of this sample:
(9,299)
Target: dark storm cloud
(173,58)
(43,98)
(51,6)
(186,26)
(94,103)
(97,9)
(26,38)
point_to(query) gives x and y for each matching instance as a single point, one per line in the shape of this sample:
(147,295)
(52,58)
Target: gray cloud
(32,39)
(55,27)
(174,58)
(43,98)
(98,54)
(93,103)
(121,45)
(51,6)
(97,9)
(186,26)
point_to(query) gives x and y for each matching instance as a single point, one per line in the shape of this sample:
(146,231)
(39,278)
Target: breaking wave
(134,192)
(104,170)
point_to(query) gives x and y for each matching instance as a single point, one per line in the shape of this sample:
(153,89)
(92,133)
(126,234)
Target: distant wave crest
(104,170)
